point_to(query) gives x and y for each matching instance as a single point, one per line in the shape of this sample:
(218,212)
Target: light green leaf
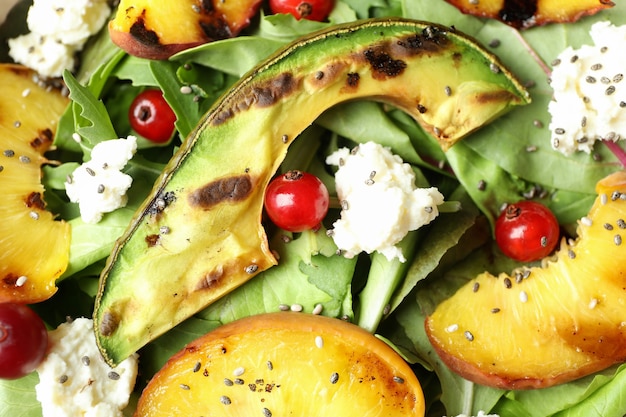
(18,399)
(219,55)
(91,119)
(304,276)
(365,121)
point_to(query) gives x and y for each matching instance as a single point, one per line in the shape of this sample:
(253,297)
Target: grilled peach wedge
(284,364)
(526,14)
(34,247)
(546,325)
(157,29)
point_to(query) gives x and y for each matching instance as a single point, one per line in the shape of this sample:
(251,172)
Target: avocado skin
(199,233)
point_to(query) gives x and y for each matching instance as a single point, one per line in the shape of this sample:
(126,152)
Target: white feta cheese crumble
(589,99)
(480,414)
(98,185)
(44,54)
(75,381)
(379,199)
(58,29)
(71,22)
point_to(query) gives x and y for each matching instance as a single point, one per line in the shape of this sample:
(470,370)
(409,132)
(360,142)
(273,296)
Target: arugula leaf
(186,109)
(363,7)
(218,55)
(91,118)
(286,28)
(597,395)
(136,70)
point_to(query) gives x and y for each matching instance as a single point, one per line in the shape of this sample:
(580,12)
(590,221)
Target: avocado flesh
(199,234)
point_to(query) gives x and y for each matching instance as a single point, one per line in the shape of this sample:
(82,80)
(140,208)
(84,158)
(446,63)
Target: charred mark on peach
(43,140)
(34,200)
(215,27)
(10,280)
(516,13)
(230,189)
(207,6)
(139,31)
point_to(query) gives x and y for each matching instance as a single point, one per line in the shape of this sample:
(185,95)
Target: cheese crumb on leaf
(58,29)
(98,185)
(380,202)
(74,380)
(589,101)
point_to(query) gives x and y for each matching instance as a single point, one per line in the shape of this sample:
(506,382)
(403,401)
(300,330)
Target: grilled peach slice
(282,364)
(526,14)
(158,29)
(34,247)
(545,325)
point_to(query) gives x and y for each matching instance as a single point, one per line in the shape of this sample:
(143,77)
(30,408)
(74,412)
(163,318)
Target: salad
(505,161)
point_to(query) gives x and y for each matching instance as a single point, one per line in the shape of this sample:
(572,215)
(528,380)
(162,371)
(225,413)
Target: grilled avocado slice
(199,233)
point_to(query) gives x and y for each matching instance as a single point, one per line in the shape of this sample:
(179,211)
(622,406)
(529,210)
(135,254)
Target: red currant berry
(23,340)
(151,116)
(317,10)
(527,231)
(296,201)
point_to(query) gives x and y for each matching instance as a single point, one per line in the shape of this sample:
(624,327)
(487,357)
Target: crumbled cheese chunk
(480,414)
(42,53)
(589,94)
(75,381)
(98,185)
(380,202)
(71,22)
(58,29)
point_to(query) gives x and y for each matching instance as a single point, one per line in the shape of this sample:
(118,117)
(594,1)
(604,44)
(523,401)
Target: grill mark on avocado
(109,324)
(276,88)
(352,80)
(263,95)
(211,279)
(385,59)
(152,240)
(382,64)
(231,189)
(431,39)
(326,75)
(139,31)
(496,97)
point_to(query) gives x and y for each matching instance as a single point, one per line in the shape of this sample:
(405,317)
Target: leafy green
(91,119)
(218,55)
(501,162)
(308,274)
(17,397)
